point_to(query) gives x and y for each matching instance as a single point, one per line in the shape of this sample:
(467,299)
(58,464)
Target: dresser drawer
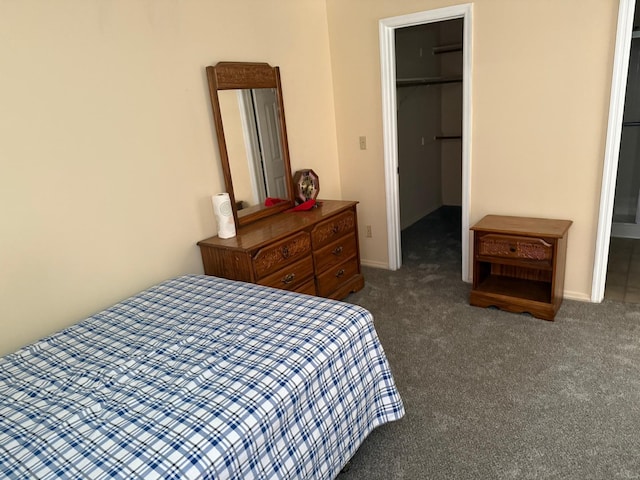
(336,252)
(275,256)
(292,276)
(336,276)
(329,230)
(510,246)
(308,288)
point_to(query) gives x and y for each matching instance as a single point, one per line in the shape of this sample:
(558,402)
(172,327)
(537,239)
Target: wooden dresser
(314,252)
(518,264)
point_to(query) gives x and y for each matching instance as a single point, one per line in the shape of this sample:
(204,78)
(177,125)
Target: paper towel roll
(224,215)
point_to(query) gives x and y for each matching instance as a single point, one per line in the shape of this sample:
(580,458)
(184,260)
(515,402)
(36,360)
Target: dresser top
(524,226)
(278,226)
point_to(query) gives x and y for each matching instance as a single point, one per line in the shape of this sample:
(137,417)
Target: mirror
(248,113)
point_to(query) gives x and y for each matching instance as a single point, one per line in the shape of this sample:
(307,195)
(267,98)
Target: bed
(198,377)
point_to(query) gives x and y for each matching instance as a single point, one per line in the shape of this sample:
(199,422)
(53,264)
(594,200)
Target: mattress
(198,377)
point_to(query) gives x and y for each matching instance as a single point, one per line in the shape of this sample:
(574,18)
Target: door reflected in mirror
(250,118)
(248,114)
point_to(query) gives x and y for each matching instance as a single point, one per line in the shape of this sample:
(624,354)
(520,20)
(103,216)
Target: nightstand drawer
(329,230)
(333,278)
(275,256)
(510,246)
(292,276)
(336,252)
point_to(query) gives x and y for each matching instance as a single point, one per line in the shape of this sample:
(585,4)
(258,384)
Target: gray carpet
(495,395)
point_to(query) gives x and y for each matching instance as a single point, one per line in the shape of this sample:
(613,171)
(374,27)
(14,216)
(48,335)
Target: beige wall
(107,153)
(107,150)
(541,83)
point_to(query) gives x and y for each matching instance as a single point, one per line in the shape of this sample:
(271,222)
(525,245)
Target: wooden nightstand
(518,264)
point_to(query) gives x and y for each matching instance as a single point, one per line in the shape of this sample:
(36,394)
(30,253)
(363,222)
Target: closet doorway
(426,119)
(623,269)
(429,124)
(606,262)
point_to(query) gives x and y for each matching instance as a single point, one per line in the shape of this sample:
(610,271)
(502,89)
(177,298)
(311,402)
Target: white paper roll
(224,215)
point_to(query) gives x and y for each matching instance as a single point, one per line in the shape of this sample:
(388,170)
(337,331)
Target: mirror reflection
(248,114)
(250,118)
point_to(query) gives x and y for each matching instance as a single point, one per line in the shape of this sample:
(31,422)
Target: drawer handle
(335,229)
(285,252)
(337,250)
(288,278)
(340,273)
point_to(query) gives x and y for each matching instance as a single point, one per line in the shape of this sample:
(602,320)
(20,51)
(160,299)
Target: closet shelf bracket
(410,82)
(455,47)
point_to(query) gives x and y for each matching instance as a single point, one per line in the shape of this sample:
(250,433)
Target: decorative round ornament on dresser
(306,185)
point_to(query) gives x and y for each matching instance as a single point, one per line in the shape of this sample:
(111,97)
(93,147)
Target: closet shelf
(635,34)
(448,137)
(454,47)
(410,82)
(631,124)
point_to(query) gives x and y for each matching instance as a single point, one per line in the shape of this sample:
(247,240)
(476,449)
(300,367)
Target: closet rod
(447,137)
(631,124)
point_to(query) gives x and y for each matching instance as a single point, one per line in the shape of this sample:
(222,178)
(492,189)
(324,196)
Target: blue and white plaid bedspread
(198,377)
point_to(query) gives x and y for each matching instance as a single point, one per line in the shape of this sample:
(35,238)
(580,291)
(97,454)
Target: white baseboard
(569,295)
(581,297)
(374,264)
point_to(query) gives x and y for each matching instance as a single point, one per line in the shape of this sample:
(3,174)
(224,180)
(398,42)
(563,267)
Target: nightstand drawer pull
(335,229)
(287,279)
(285,252)
(340,273)
(337,251)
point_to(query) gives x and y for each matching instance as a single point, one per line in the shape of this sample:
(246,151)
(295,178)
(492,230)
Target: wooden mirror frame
(247,75)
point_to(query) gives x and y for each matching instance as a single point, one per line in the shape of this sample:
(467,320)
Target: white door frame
(387,27)
(612,147)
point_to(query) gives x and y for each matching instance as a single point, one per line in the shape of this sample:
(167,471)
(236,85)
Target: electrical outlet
(363,143)
(369,235)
